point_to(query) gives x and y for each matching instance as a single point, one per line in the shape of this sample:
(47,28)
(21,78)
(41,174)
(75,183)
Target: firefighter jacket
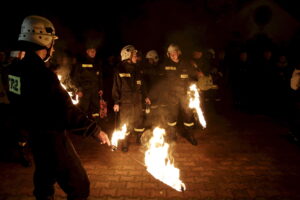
(152,77)
(40,103)
(88,75)
(177,77)
(128,86)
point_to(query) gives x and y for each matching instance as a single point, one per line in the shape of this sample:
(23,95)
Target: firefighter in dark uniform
(178,75)
(88,81)
(129,94)
(45,110)
(152,75)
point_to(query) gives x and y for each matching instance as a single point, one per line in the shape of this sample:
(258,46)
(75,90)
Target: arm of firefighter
(116,89)
(100,78)
(102,138)
(77,77)
(74,118)
(144,90)
(193,73)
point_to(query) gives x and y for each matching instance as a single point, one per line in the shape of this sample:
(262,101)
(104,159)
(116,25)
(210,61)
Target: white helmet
(172,48)
(212,52)
(127,51)
(38,30)
(152,54)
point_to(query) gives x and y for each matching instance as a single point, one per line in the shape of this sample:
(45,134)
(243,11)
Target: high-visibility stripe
(184,76)
(87,65)
(172,123)
(170,68)
(188,124)
(139,129)
(128,75)
(95,115)
(139,82)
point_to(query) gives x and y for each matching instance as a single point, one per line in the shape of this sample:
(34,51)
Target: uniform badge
(14,84)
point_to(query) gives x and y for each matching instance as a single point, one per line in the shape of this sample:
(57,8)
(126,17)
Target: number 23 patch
(14,84)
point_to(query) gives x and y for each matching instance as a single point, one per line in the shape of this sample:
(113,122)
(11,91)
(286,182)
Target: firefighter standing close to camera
(178,75)
(44,109)
(129,94)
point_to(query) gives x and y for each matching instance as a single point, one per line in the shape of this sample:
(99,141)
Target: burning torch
(74,101)
(195,103)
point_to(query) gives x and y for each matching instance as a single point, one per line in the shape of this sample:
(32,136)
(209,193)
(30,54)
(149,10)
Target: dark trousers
(132,115)
(157,116)
(89,103)
(182,104)
(57,161)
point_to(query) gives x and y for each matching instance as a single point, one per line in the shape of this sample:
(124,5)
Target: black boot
(125,144)
(24,157)
(191,138)
(138,137)
(171,134)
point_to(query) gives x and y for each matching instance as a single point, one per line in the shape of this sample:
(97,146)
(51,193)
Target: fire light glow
(118,135)
(158,161)
(195,103)
(74,101)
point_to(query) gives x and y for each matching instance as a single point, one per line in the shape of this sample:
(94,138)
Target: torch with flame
(118,135)
(195,103)
(158,162)
(74,101)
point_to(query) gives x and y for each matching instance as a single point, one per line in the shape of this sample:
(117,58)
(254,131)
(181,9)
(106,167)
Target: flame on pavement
(195,103)
(118,135)
(74,101)
(158,161)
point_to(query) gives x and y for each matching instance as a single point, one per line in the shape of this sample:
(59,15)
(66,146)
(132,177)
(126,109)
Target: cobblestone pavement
(239,156)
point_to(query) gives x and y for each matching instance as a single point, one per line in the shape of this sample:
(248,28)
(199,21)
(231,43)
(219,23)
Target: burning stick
(118,135)
(158,163)
(76,101)
(195,103)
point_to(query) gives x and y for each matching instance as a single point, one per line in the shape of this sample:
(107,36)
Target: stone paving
(239,156)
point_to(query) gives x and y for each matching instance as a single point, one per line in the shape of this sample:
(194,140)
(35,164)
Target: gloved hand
(100,93)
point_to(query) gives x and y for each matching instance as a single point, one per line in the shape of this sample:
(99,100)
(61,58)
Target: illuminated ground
(239,156)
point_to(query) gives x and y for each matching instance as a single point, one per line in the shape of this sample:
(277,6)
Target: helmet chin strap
(48,55)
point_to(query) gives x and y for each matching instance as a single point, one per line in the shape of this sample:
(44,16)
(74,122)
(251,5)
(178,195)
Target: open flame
(74,101)
(195,103)
(158,161)
(118,135)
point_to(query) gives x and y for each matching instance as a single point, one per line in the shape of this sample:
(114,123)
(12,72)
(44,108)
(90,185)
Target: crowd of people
(143,91)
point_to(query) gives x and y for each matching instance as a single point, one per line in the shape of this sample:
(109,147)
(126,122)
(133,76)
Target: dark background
(113,24)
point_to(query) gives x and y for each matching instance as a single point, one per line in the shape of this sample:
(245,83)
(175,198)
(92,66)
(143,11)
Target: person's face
(91,52)
(174,56)
(151,61)
(134,57)
(197,54)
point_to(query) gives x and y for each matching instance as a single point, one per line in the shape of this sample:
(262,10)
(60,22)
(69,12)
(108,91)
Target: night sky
(113,24)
